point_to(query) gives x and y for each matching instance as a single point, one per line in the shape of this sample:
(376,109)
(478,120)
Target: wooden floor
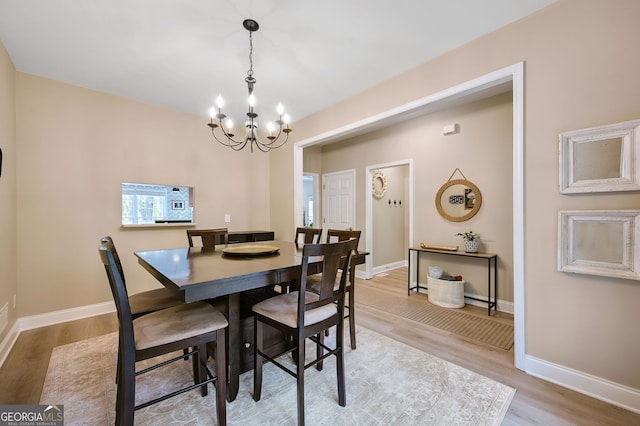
(536,402)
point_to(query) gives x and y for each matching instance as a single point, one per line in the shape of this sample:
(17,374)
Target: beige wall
(75,147)
(580,71)
(8,219)
(481,150)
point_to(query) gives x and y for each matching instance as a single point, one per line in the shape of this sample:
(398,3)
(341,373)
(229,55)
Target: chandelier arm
(273,144)
(228,141)
(228,135)
(268,146)
(240,146)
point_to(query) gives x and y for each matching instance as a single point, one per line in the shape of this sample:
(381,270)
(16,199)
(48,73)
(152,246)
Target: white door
(338,200)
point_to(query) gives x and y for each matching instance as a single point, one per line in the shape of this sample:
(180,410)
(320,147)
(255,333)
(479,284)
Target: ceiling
(181,54)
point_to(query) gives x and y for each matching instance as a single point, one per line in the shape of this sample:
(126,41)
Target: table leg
(409,274)
(234,332)
(417,272)
(489,286)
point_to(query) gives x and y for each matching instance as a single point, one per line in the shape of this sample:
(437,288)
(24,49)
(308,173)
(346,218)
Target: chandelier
(278,133)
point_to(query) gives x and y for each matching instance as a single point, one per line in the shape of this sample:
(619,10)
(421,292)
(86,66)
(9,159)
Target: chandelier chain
(250,72)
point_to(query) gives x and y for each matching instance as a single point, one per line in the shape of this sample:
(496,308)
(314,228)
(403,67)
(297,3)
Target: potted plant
(471,241)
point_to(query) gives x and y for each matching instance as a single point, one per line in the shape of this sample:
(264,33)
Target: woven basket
(448,294)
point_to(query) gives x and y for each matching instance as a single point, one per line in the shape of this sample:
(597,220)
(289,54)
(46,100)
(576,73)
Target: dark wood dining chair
(144,302)
(163,332)
(334,235)
(209,237)
(308,235)
(304,315)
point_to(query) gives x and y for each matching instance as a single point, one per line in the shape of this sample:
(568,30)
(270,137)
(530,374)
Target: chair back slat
(334,235)
(335,256)
(308,235)
(209,237)
(343,235)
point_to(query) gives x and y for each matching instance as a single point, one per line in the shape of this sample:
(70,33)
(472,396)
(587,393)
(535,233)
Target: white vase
(471,246)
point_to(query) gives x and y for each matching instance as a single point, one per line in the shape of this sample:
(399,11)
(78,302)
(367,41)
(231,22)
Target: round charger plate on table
(250,250)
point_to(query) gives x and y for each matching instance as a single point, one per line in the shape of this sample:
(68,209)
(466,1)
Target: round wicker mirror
(379,184)
(458,200)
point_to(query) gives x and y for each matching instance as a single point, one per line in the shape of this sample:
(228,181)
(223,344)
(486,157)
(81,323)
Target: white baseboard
(50,318)
(389,266)
(604,390)
(503,305)
(8,342)
(56,317)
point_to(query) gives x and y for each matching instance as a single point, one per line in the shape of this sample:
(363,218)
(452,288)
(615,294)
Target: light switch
(227,218)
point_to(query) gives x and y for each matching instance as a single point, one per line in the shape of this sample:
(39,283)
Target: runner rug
(417,308)
(388,382)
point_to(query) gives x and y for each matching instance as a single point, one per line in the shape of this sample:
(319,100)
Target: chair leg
(342,398)
(319,349)
(352,315)
(201,362)
(300,379)
(221,382)
(195,367)
(258,346)
(126,392)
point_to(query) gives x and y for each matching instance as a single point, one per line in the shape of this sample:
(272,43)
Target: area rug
(387,383)
(417,308)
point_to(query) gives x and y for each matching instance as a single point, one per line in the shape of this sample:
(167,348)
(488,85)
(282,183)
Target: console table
(492,260)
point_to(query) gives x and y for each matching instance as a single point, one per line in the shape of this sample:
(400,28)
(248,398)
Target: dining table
(226,272)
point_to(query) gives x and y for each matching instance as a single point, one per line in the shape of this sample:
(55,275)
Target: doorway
(510,77)
(310,194)
(389,216)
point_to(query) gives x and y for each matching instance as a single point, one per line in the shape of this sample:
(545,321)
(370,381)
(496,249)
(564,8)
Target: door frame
(369,207)
(513,76)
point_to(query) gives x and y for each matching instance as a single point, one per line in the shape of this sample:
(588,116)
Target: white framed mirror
(600,159)
(599,242)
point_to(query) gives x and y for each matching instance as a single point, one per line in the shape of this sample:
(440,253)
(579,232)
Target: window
(146,204)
